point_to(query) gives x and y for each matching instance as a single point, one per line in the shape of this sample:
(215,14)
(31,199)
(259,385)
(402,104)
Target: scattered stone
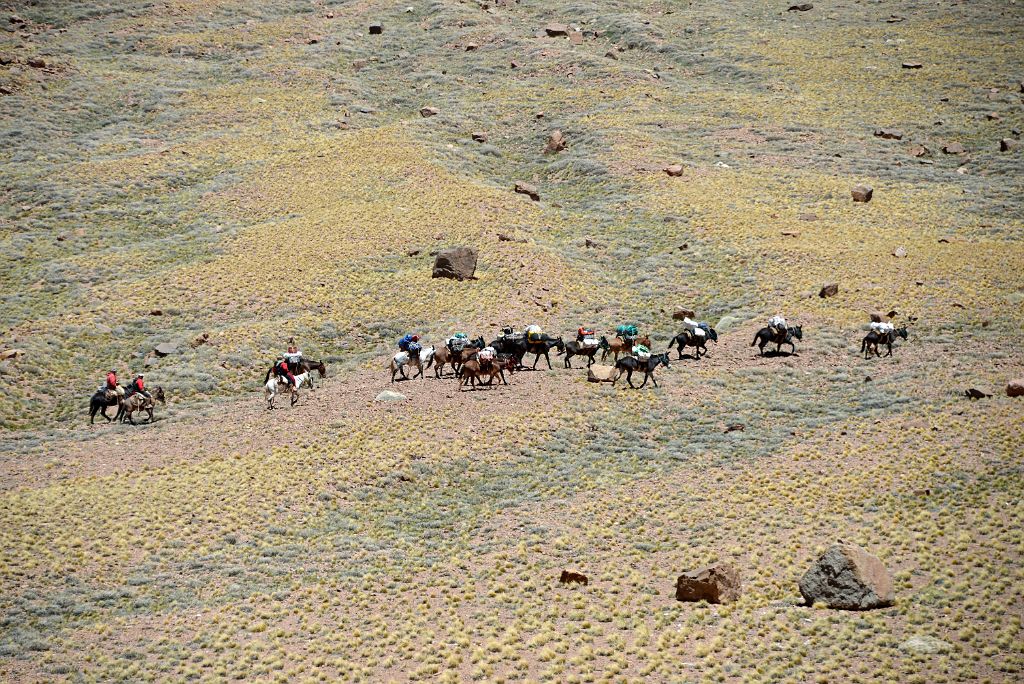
(847,577)
(807,217)
(569,577)
(471,46)
(714,584)
(376,28)
(200,340)
(480,136)
(953,148)
(156,312)
(514,64)
(429,111)
(592,244)
(1008,145)
(611,54)
(791,233)
(312,40)
(895,19)
(925,644)
(359,64)
(680,314)
(11,354)
(576,38)
(555,30)
(674,169)
(6,59)
(455,262)
(556,142)
(889,133)
(829,290)
(918,151)
(388,395)
(599,373)
(900,252)
(539,115)
(504,237)
(413,252)
(912,65)
(36,62)
(803,7)
(862,193)
(992,116)
(530,191)
(165,349)
(735,427)
(975,393)
(1015,388)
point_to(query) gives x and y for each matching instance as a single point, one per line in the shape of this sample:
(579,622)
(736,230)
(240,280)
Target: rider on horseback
(113,386)
(138,386)
(293,356)
(281,370)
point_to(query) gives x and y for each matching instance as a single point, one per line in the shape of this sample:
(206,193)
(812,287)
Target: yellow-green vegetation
(257,171)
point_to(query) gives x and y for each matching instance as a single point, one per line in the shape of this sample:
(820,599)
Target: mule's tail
(756,338)
(864,344)
(267,379)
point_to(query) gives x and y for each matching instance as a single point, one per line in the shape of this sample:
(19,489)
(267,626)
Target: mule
(473,371)
(873,339)
(100,402)
(688,338)
(273,384)
(424,359)
(304,366)
(541,347)
(576,348)
(766,335)
(139,402)
(620,346)
(631,364)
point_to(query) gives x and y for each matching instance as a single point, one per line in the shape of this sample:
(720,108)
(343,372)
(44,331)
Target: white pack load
(883,328)
(641,352)
(533,332)
(694,327)
(401,358)
(487,354)
(777,321)
(590,342)
(457,342)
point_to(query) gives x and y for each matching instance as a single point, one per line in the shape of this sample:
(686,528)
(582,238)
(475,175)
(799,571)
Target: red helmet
(415,338)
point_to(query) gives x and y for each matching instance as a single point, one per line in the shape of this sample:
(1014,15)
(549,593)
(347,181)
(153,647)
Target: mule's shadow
(778,354)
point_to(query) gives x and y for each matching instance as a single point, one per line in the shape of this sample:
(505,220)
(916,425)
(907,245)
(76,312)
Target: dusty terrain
(222,176)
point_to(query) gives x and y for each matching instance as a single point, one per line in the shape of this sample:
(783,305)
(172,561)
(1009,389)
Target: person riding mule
(779,334)
(112,386)
(281,370)
(138,386)
(628,333)
(294,358)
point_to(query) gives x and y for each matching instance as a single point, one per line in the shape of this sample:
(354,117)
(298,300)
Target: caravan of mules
(475,363)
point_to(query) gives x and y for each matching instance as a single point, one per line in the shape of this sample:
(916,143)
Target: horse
(621,346)
(140,402)
(542,346)
(576,348)
(766,335)
(424,359)
(271,386)
(303,366)
(457,358)
(688,338)
(473,370)
(511,346)
(873,339)
(630,364)
(101,401)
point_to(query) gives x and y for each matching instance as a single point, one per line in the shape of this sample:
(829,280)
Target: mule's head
(712,335)
(662,359)
(603,343)
(902,332)
(321,368)
(560,344)
(158,394)
(797,332)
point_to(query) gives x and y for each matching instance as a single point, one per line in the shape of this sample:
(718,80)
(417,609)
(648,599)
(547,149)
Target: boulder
(726,322)
(591,243)
(900,252)
(1015,388)
(200,340)
(598,373)
(926,645)
(1008,145)
(918,151)
(456,262)
(555,30)
(714,584)
(388,395)
(36,62)
(862,193)
(807,217)
(530,191)
(376,28)
(889,133)
(556,142)
(480,136)
(680,314)
(829,290)
(674,169)
(576,38)
(912,65)
(11,354)
(429,111)
(847,577)
(165,349)
(953,148)
(802,7)
(471,46)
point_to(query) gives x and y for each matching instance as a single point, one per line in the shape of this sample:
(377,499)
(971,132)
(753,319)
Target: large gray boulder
(848,578)
(455,262)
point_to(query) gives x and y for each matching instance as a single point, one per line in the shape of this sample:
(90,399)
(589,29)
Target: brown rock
(680,314)
(1015,388)
(376,28)
(599,373)
(953,148)
(992,116)
(11,354)
(530,191)
(576,38)
(889,133)
(156,312)
(803,7)
(592,244)
(611,54)
(674,169)
(918,151)
(480,136)
(312,40)
(556,142)
(429,111)
(570,577)
(1008,145)
(715,584)
(471,46)
(848,578)
(862,193)
(200,340)
(514,64)
(458,263)
(900,252)
(36,62)
(807,217)
(6,59)
(912,65)
(829,290)
(555,30)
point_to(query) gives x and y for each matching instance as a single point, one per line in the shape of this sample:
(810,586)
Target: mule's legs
(889,344)
(548,359)
(629,377)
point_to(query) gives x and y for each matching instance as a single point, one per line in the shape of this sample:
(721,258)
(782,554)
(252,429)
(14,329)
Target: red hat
(415,338)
